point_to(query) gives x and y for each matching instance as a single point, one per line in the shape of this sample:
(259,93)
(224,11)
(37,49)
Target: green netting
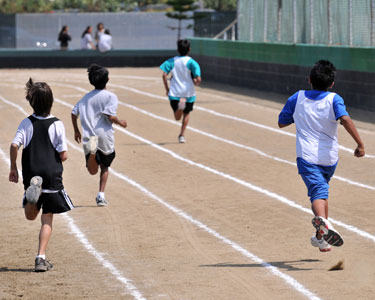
(332,22)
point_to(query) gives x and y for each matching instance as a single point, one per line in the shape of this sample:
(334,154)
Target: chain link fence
(329,22)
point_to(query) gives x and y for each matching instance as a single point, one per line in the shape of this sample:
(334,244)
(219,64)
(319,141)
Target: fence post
(294,21)
(329,11)
(279,10)
(311,22)
(372,21)
(265,25)
(251,20)
(350,23)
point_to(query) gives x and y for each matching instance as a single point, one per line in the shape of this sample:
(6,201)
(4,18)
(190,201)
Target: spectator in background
(86,39)
(105,41)
(64,38)
(99,32)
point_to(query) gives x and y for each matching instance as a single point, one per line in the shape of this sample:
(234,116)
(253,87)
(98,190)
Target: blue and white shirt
(315,114)
(182,85)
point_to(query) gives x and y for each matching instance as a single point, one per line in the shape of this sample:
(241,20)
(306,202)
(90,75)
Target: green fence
(344,58)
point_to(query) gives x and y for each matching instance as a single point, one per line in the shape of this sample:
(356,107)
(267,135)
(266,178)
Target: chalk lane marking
(349,181)
(130,287)
(244,183)
(274,270)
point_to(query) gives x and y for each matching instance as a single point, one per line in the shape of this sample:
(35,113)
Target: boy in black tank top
(44,149)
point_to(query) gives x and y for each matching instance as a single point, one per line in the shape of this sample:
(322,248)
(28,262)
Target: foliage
(221,5)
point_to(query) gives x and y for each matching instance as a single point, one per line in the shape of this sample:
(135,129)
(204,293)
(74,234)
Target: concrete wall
(82,58)
(284,68)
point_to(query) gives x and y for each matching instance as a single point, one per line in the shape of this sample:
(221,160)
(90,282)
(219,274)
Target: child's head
(98,76)
(183,47)
(322,75)
(40,97)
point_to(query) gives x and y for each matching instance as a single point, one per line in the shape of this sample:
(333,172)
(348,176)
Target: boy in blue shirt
(185,74)
(315,114)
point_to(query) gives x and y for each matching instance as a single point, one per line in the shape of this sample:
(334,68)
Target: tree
(221,5)
(180,10)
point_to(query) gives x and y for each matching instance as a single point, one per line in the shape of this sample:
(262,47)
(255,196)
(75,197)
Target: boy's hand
(77,136)
(13,175)
(122,123)
(359,151)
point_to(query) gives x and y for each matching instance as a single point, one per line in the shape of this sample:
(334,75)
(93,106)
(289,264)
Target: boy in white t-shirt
(97,111)
(315,113)
(185,74)
(105,41)
(44,149)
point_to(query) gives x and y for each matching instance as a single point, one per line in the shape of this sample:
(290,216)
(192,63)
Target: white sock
(41,256)
(101,195)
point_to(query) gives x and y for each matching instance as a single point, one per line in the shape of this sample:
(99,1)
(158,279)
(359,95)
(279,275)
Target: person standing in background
(86,39)
(105,41)
(64,38)
(99,32)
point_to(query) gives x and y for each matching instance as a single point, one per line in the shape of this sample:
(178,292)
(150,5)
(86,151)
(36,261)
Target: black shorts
(54,203)
(188,106)
(102,159)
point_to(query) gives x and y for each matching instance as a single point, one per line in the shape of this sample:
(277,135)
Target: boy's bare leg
(104,172)
(185,121)
(178,114)
(320,208)
(92,164)
(45,233)
(31,211)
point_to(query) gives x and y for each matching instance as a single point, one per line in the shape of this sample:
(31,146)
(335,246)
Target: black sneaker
(42,265)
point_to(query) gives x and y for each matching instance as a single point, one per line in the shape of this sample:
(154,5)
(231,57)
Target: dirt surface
(224,216)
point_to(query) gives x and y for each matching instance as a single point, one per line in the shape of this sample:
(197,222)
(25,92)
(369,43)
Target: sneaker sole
(39,269)
(330,236)
(34,190)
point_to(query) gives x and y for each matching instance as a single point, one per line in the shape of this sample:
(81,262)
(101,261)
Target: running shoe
(34,190)
(42,265)
(182,104)
(91,145)
(322,244)
(325,228)
(181,139)
(100,201)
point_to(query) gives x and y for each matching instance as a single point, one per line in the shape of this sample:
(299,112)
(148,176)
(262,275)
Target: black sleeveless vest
(39,158)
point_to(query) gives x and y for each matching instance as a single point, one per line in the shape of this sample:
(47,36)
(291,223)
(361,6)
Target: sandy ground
(224,216)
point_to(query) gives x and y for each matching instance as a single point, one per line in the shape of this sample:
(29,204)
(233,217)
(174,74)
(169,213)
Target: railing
(232,28)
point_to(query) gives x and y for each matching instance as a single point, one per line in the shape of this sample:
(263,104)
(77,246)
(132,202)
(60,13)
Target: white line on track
(244,183)
(130,287)
(349,181)
(274,270)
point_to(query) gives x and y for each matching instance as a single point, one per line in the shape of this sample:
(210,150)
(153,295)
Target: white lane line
(130,287)
(349,181)
(215,113)
(249,185)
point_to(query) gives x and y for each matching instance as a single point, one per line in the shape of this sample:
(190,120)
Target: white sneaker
(181,139)
(325,228)
(182,104)
(100,201)
(91,146)
(322,244)
(33,192)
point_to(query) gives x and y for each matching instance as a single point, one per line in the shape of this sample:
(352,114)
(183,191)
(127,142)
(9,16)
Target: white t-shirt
(93,110)
(316,127)
(56,134)
(86,42)
(105,42)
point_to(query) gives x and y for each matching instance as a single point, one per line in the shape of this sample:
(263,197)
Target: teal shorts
(188,99)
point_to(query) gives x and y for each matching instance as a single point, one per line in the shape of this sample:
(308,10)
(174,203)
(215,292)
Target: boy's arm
(283,125)
(63,155)
(13,174)
(115,120)
(77,134)
(165,81)
(349,126)
(197,80)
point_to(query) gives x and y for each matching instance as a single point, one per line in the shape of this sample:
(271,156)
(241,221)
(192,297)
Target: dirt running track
(224,216)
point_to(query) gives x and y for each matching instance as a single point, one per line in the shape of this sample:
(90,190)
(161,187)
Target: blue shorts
(316,178)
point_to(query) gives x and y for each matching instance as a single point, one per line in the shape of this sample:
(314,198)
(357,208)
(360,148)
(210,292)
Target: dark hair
(99,25)
(107,32)
(86,31)
(40,97)
(322,75)
(98,76)
(183,47)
